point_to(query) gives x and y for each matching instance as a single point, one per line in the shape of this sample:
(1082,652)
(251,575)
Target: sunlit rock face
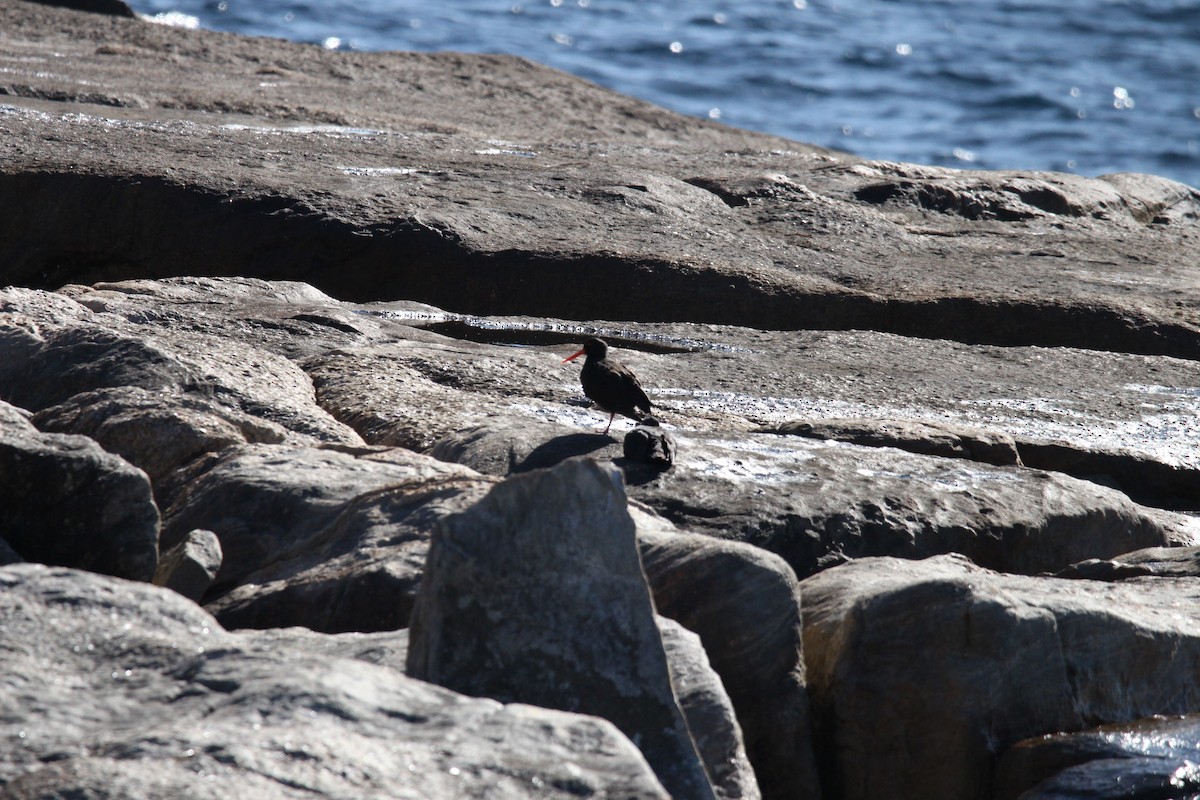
(320,324)
(922,672)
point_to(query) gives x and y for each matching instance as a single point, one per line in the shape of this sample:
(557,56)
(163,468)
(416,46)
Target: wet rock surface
(817,503)
(1154,757)
(315,303)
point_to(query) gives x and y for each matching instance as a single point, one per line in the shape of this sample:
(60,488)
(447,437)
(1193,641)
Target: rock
(711,720)
(702,698)
(8,555)
(650,444)
(332,539)
(815,503)
(69,503)
(921,672)
(1154,757)
(190,566)
(157,433)
(498,449)
(1167,562)
(536,595)
(424,391)
(926,438)
(47,361)
(151,698)
(745,605)
(385,180)
(1107,417)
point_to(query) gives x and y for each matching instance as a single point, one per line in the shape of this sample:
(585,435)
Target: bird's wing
(640,401)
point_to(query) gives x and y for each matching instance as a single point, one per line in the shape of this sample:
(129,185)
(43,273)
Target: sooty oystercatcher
(610,384)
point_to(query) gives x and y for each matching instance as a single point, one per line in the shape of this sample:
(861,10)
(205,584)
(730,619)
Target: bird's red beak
(572,358)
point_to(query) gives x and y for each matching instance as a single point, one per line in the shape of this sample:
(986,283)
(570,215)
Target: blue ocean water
(1085,86)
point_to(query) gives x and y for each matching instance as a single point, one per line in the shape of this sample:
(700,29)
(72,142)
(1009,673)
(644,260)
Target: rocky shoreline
(300,500)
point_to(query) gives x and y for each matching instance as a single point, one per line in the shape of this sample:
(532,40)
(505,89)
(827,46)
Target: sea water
(1084,86)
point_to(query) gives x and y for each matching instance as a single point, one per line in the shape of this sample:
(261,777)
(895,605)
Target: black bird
(610,384)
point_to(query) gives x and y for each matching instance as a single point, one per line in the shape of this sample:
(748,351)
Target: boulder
(702,698)
(649,443)
(816,503)
(711,719)
(69,503)
(1150,758)
(332,539)
(744,603)
(390,371)
(45,362)
(119,689)
(423,391)
(190,566)
(159,433)
(1112,418)
(536,595)
(922,672)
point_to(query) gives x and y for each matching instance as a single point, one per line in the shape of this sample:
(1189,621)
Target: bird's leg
(611,417)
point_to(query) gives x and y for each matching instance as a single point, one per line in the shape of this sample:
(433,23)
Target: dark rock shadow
(638,473)
(560,448)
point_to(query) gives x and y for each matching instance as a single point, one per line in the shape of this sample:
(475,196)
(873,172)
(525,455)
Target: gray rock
(745,605)
(47,361)
(1117,419)
(476,182)
(119,689)
(67,502)
(650,444)
(501,449)
(190,566)
(332,539)
(921,672)
(1167,562)
(423,391)
(927,438)
(536,595)
(1154,757)
(702,698)
(817,503)
(711,719)
(157,433)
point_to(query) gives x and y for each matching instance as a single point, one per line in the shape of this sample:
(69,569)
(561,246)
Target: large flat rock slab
(488,184)
(414,376)
(817,503)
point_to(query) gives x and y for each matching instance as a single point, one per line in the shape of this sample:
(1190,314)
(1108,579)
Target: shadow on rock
(560,448)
